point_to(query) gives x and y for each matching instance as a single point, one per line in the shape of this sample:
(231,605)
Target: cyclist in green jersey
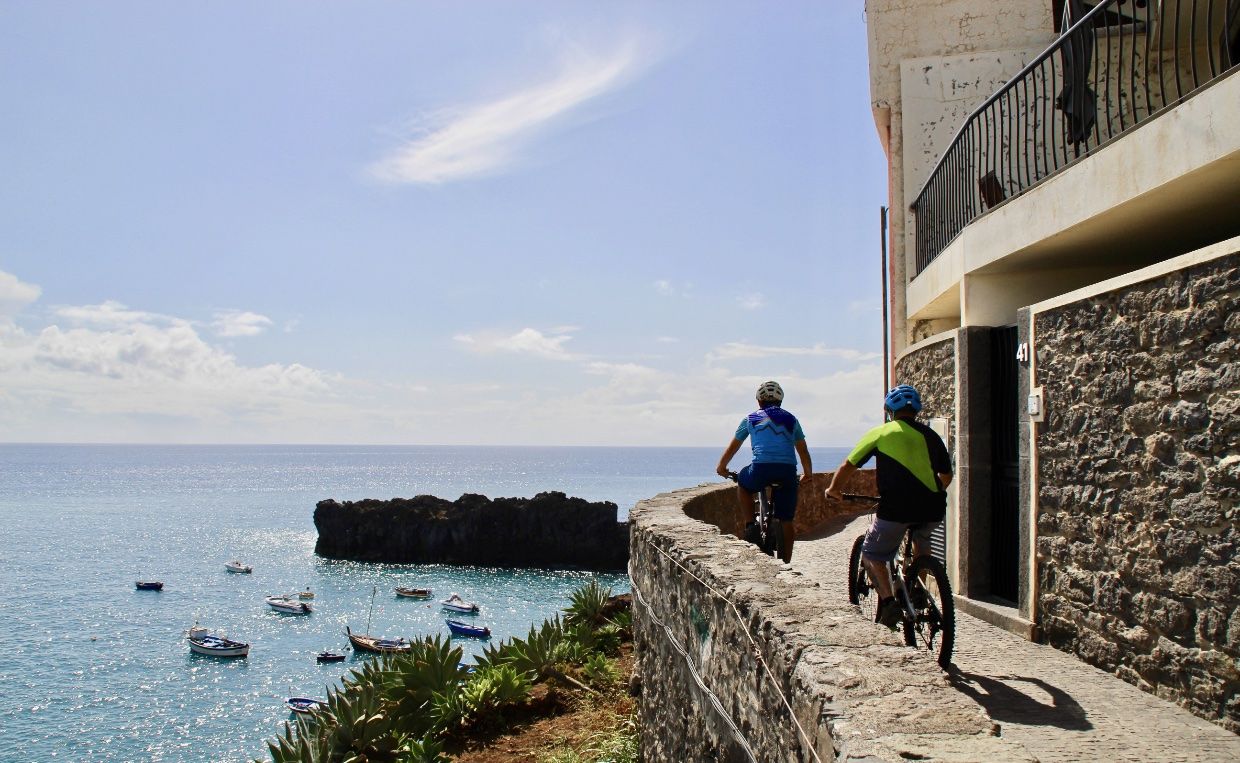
(914,471)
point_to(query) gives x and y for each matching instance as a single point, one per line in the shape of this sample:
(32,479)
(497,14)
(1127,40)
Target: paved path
(1058,707)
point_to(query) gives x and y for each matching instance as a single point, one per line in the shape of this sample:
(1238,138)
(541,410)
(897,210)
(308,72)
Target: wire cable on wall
(756,651)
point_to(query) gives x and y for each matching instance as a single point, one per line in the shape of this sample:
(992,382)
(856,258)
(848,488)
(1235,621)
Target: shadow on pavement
(1007,703)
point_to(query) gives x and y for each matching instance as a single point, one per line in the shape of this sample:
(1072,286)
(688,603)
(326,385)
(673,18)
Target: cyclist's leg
(882,543)
(784,503)
(746,486)
(922,535)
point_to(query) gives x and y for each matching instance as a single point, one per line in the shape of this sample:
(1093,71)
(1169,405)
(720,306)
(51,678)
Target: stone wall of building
(1138,473)
(932,370)
(740,658)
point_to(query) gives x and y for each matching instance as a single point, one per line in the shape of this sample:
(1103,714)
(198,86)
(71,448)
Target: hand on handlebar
(834,494)
(722,471)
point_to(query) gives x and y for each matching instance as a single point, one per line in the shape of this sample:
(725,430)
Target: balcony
(1122,65)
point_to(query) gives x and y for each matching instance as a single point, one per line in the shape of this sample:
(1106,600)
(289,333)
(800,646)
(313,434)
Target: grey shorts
(882,540)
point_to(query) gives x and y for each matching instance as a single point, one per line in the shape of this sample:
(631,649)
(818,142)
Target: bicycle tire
(859,587)
(775,538)
(936,617)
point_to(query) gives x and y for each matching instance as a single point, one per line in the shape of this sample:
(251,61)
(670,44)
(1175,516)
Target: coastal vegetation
(557,691)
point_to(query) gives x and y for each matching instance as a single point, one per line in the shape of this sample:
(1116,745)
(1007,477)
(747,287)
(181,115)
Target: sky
(494,223)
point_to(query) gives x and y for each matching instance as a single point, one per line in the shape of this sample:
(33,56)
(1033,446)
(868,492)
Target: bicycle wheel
(775,538)
(859,588)
(930,592)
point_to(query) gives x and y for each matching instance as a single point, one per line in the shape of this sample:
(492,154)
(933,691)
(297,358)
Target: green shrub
(588,604)
(422,751)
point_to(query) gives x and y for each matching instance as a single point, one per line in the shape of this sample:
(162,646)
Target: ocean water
(95,670)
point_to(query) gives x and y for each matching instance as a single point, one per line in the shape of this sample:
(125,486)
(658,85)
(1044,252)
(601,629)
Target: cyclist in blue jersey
(777,441)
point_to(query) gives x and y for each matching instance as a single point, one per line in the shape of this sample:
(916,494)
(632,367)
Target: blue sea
(94,670)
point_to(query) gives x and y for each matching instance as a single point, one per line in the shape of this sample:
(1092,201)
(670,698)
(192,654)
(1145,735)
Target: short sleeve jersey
(910,456)
(775,434)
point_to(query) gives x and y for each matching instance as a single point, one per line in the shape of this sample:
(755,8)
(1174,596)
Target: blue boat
(459,628)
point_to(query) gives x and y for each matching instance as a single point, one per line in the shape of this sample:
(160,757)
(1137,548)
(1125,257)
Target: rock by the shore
(550,530)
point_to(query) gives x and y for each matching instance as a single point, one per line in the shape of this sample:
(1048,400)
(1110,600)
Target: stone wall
(740,658)
(1138,467)
(814,510)
(932,370)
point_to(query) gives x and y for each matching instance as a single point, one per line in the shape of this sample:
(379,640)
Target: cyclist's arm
(722,468)
(945,479)
(807,466)
(841,477)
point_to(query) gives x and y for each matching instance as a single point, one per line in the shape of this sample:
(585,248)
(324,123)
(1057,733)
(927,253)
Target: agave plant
(422,751)
(357,725)
(599,671)
(430,667)
(300,744)
(589,602)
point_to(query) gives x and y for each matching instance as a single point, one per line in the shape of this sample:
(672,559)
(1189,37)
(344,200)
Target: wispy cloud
(527,341)
(665,288)
(239,323)
(751,301)
(486,138)
(15,294)
(733,350)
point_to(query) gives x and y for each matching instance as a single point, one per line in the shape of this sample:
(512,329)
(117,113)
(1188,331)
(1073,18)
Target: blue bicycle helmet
(902,397)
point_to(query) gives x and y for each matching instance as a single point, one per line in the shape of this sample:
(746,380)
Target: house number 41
(1022,352)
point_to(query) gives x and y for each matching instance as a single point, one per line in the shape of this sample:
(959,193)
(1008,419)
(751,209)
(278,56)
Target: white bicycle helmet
(770,391)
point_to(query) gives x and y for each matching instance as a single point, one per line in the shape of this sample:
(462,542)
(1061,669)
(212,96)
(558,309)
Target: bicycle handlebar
(860,497)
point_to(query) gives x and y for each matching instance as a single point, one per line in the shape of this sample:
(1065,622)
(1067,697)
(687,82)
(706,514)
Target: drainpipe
(882,235)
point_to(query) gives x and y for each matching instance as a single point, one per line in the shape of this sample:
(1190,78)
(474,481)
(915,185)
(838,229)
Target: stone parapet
(742,658)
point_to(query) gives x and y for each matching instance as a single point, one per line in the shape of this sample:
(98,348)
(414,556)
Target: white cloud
(666,339)
(751,301)
(734,350)
(527,341)
(15,294)
(239,323)
(486,138)
(665,288)
(106,371)
(113,313)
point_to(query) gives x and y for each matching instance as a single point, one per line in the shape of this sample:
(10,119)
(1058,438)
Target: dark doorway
(1005,466)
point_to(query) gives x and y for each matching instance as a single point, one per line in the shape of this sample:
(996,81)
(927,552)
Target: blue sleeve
(797,434)
(742,431)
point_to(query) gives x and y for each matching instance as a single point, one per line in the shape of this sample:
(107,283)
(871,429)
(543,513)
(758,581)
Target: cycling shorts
(882,540)
(755,477)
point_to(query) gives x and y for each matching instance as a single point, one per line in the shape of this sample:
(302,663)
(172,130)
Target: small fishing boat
(306,594)
(149,585)
(459,628)
(456,604)
(329,657)
(413,593)
(304,705)
(203,641)
(236,566)
(367,643)
(288,605)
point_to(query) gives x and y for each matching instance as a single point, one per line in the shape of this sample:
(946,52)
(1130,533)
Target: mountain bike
(922,588)
(764,530)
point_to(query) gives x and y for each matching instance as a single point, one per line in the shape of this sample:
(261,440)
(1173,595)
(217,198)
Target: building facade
(1064,286)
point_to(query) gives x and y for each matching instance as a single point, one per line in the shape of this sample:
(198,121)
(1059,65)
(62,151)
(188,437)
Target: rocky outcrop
(548,530)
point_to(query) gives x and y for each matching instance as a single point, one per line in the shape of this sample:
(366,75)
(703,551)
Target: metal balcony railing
(1118,64)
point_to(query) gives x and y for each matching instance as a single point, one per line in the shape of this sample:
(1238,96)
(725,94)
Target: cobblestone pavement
(1058,707)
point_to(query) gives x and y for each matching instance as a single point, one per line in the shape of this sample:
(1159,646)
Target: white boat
(456,604)
(304,705)
(288,605)
(236,566)
(211,644)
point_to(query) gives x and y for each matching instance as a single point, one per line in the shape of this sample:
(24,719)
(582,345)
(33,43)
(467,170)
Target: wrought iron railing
(1117,65)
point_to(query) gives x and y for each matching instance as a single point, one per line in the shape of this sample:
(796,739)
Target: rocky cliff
(548,530)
